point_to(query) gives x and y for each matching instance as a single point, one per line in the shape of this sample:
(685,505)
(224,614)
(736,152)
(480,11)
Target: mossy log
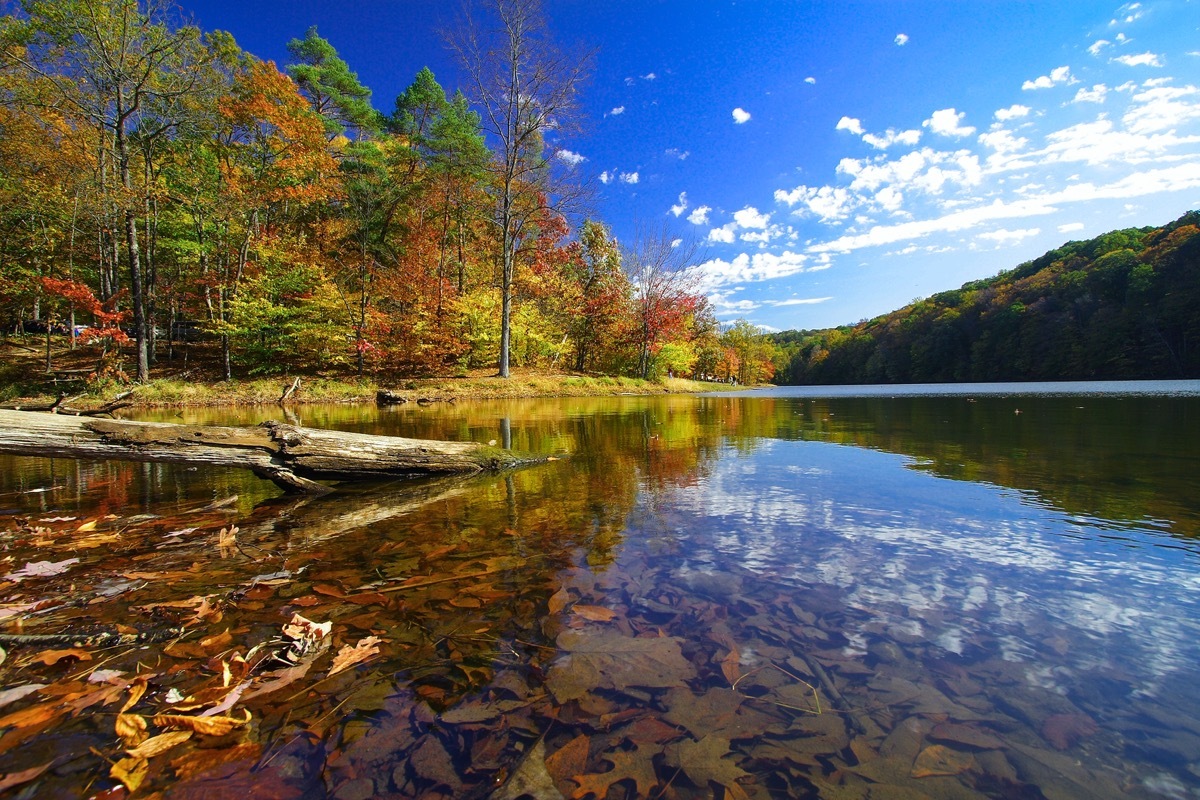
(292,457)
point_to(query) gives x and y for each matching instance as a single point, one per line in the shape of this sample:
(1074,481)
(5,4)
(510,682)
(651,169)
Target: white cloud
(629,177)
(957,221)
(901,39)
(1130,12)
(1012,112)
(850,124)
(724,234)
(1162,108)
(1070,227)
(749,217)
(890,137)
(1146,182)
(1100,143)
(675,243)
(799,301)
(617,111)
(1140,60)
(829,203)
(741,116)
(681,206)
(810,80)
(946,123)
(722,303)
(1002,141)
(649,76)
(1094,95)
(570,157)
(889,198)
(607,177)
(1098,45)
(699,215)
(746,268)
(675,152)
(1057,75)
(1002,236)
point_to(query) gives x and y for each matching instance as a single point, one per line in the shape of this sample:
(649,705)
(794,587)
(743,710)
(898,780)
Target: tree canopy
(1121,306)
(167,190)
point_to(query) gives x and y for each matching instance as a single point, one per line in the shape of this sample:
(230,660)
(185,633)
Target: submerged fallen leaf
(23,776)
(1064,730)
(609,660)
(156,745)
(595,613)
(349,656)
(705,760)
(937,760)
(131,729)
(41,569)
(52,657)
(568,761)
(210,726)
(530,778)
(17,692)
(198,761)
(558,601)
(136,690)
(302,628)
(131,772)
(634,765)
(967,735)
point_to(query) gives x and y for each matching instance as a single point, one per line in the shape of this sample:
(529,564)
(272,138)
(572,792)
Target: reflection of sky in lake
(960,564)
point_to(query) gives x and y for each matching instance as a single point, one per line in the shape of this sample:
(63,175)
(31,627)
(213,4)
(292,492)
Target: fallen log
(292,457)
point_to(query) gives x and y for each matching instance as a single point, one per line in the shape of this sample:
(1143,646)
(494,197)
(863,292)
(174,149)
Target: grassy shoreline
(24,380)
(169,392)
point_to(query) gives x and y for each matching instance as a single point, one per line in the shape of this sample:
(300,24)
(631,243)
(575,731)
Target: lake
(836,592)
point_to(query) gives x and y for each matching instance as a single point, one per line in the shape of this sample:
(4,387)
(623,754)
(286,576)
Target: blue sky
(836,160)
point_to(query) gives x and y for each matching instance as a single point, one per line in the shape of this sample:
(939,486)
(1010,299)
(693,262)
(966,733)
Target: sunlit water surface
(852,592)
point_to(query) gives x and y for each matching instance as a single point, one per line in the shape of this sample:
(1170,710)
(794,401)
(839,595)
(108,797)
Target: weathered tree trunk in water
(293,458)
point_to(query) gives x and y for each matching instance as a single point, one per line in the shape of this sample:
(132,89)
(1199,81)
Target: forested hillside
(1125,305)
(159,184)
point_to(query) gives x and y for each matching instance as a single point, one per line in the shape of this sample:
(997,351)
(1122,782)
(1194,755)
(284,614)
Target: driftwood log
(292,457)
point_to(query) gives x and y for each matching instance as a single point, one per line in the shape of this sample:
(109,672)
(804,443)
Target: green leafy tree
(333,89)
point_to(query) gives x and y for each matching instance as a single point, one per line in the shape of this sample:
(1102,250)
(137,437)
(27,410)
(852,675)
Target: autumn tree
(601,294)
(751,358)
(120,65)
(526,88)
(664,291)
(272,155)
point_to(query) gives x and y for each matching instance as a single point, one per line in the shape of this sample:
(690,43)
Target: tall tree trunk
(131,244)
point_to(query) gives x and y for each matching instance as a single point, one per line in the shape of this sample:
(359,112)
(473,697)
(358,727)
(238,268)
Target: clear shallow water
(969,594)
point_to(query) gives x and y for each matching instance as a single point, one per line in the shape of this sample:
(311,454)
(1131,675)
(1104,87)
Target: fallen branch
(292,457)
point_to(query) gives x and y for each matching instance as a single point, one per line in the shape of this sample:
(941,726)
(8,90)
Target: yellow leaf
(558,601)
(52,657)
(90,525)
(131,772)
(349,656)
(595,613)
(157,745)
(136,690)
(211,726)
(731,666)
(131,728)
